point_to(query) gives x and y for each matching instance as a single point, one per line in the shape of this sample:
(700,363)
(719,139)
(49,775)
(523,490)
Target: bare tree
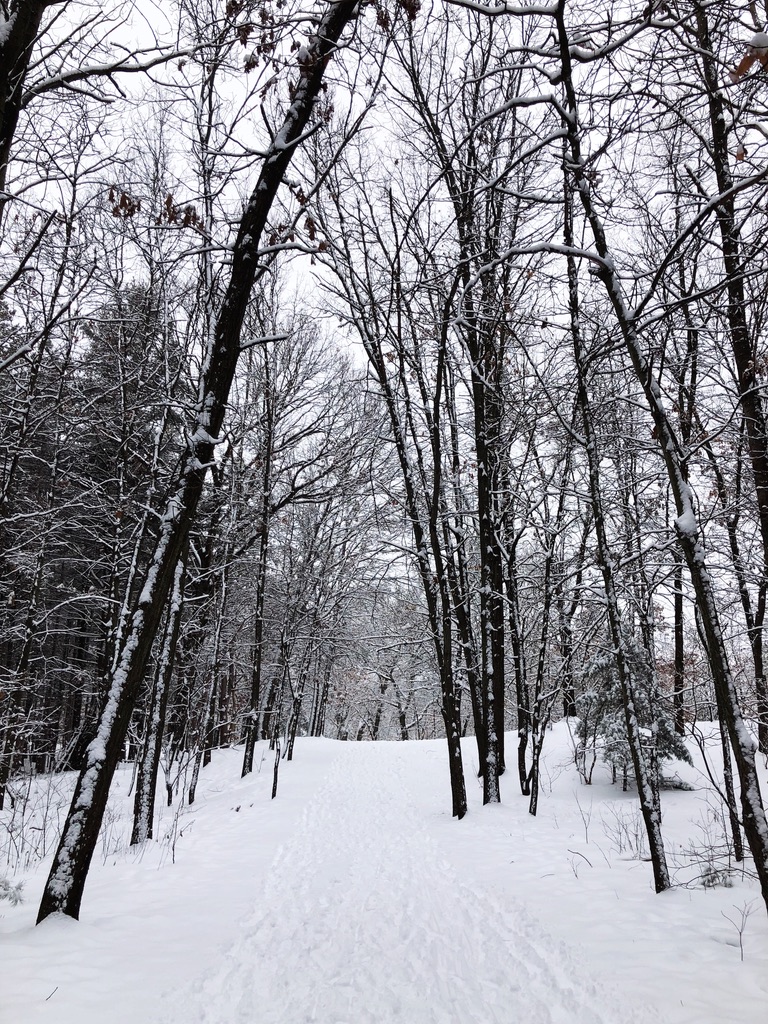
(686,523)
(63,891)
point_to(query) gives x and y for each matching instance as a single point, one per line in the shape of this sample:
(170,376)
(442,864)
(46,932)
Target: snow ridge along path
(362,920)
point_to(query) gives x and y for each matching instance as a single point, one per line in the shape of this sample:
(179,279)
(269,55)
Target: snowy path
(355,898)
(361,921)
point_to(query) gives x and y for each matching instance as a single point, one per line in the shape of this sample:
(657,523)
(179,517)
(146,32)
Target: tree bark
(646,788)
(21,30)
(149,764)
(252,717)
(744,353)
(686,524)
(66,881)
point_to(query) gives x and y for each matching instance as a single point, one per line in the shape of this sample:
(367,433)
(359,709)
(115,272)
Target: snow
(6,27)
(686,524)
(201,435)
(355,898)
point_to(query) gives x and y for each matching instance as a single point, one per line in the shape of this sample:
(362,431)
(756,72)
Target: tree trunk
(686,524)
(66,881)
(149,764)
(646,788)
(751,393)
(521,673)
(257,663)
(678,687)
(730,795)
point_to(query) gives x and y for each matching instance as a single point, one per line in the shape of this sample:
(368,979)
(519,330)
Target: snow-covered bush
(31,826)
(601,727)
(11,892)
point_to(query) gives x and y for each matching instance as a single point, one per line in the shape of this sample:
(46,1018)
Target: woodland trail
(362,921)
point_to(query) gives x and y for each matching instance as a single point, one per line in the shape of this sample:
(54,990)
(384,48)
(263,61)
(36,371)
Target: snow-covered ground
(354,898)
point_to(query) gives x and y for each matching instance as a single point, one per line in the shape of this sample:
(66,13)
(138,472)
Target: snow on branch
(66,79)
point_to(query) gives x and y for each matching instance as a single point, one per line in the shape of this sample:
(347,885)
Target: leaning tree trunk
(18,41)
(730,505)
(66,881)
(751,394)
(686,524)
(730,795)
(149,763)
(647,790)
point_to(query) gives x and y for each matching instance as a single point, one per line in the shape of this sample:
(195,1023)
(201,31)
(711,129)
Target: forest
(381,370)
